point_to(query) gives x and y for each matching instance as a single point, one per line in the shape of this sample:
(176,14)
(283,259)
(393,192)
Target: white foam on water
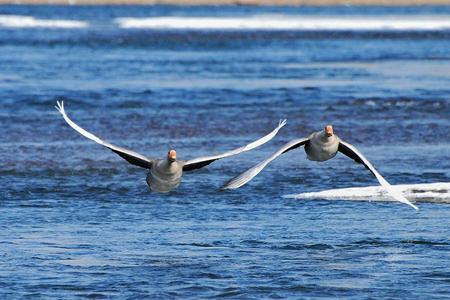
(17,21)
(438,192)
(277,22)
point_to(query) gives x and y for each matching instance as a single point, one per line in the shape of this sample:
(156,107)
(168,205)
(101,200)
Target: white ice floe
(438,192)
(17,21)
(284,22)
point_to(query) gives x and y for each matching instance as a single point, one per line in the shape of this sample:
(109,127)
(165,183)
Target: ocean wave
(18,21)
(438,192)
(308,23)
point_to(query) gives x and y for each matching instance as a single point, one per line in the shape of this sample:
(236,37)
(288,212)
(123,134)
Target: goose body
(164,176)
(321,147)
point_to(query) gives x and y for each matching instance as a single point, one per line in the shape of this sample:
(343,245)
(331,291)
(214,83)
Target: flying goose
(165,174)
(319,146)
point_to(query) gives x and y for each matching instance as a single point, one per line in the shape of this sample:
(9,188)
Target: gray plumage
(321,147)
(165,176)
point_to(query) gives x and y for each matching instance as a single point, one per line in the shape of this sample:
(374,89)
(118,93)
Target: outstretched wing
(130,156)
(248,175)
(200,162)
(350,151)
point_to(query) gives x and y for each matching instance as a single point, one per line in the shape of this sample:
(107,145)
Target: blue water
(79,222)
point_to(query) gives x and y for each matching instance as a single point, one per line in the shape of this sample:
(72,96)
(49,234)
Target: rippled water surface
(79,222)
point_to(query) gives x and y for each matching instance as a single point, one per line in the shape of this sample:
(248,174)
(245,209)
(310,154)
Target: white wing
(350,151)
(248,175)
(200,162)
(130,156)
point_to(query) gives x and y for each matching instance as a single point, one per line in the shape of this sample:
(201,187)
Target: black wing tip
(223,188)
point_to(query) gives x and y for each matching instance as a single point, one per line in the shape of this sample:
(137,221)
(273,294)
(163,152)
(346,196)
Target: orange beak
(172,155)
(329,130)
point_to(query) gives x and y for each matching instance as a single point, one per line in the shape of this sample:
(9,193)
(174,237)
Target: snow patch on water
(438,192)
(18,21)
(284,22)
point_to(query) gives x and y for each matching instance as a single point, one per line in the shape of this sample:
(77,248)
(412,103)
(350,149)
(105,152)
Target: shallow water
(79,222)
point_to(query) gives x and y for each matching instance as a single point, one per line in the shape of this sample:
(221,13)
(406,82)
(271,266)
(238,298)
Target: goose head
(329,131)
(171,156)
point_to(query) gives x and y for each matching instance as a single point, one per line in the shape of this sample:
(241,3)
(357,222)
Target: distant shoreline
(235,2)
